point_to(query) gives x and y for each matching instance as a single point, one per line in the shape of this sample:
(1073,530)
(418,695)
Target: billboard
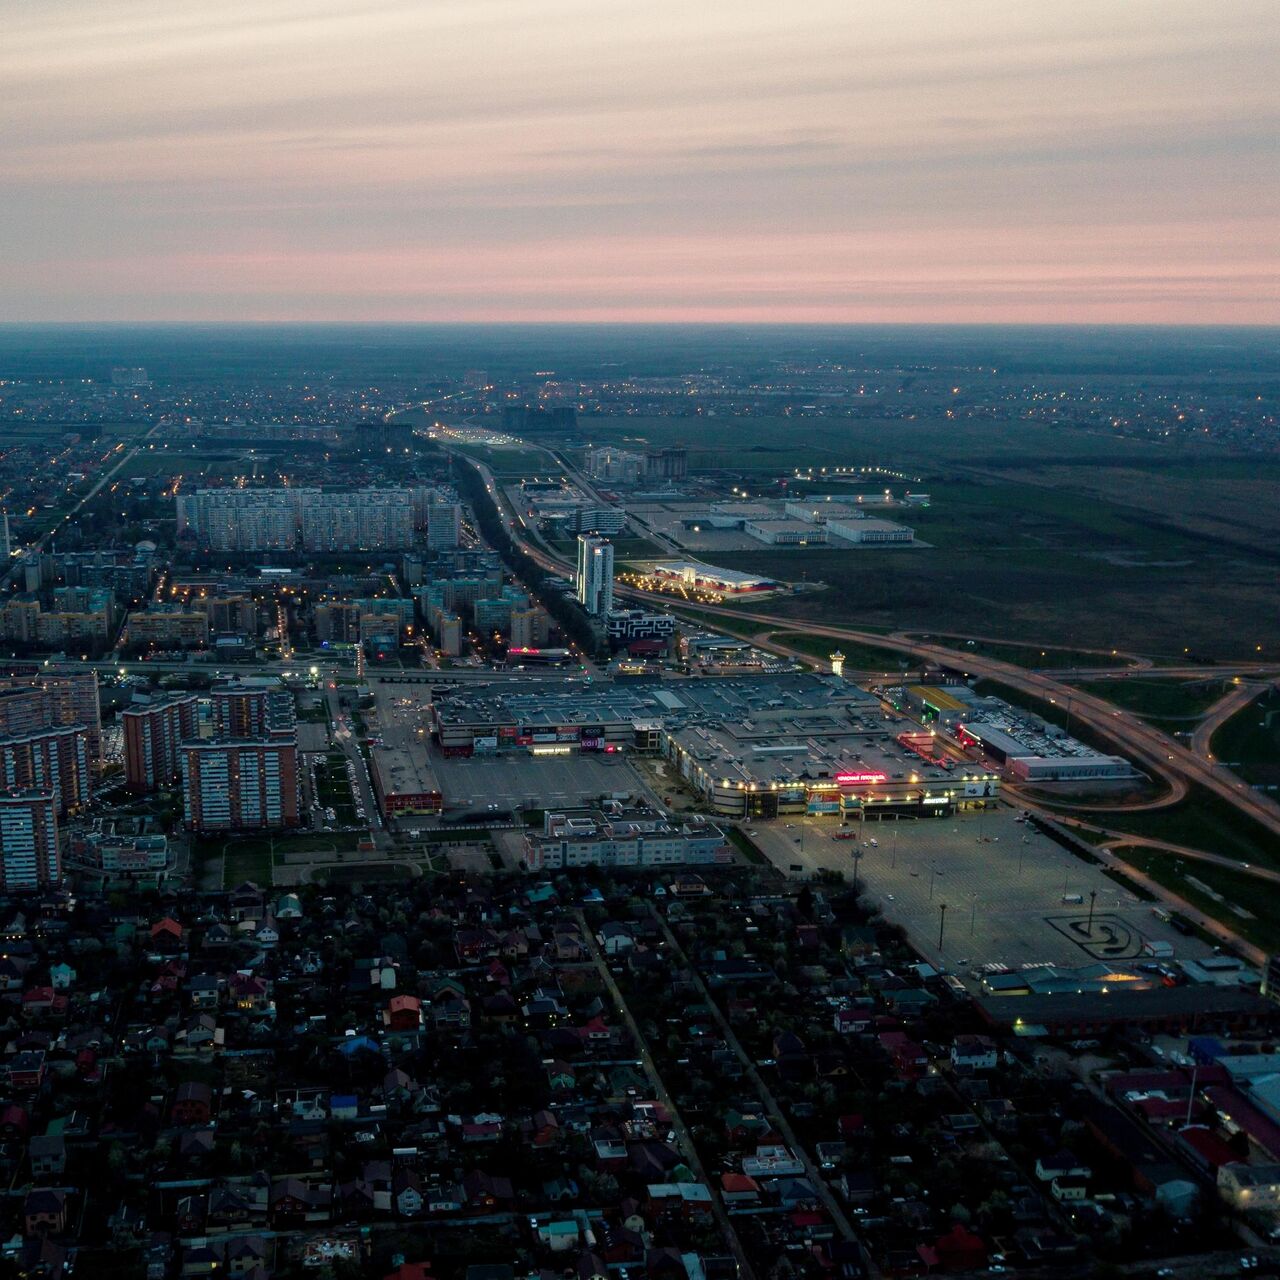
(860,779)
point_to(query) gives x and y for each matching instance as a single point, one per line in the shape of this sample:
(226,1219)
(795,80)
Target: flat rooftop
(403,771)
(774,698)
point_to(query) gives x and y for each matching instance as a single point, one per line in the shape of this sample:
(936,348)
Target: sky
(1035,161)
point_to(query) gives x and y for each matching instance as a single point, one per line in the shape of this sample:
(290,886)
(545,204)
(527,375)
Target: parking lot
(518,781)
(1010,892)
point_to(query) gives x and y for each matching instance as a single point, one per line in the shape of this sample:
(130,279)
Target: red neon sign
(857,779)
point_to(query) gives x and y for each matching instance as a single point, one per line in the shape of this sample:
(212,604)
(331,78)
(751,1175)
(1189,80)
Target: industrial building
(870,531)
(785,533)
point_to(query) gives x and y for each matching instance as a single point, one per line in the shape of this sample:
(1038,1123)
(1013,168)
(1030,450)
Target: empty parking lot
(1010,893)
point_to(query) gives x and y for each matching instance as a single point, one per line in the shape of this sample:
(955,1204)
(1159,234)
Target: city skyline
(574,161)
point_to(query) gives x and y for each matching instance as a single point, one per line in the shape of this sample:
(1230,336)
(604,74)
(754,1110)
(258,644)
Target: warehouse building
(785,533)
(869,531)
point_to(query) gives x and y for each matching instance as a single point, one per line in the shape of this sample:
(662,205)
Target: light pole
(1093,893)
(942,920)
(894,862)
(933,875)
(857,858)
(973,916)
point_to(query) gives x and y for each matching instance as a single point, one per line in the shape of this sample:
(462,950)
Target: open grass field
(1201,821)
(858,657)
(1043,580)
(375,873)
(1046,535)
(1169,703)
(1034,656)
(1239,901)
(1250,741)
(248,860)
(511,460)
(912,447)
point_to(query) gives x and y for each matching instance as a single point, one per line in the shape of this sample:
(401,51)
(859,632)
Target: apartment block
(29,855)
(153,734)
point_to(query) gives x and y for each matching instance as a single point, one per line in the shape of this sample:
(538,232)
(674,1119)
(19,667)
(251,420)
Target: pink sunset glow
(586,159)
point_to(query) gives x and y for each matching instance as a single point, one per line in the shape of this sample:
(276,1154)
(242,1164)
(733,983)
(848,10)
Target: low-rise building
(617,837)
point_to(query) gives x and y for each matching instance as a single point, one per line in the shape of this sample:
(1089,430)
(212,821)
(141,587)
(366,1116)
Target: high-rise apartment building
(243,519)
(29,856)
(595,574)
(366,520)
(51,761)
(444,525)
(231,615)
(239,784)
(153,734)
(40,699)
(339,621)
(530,628)
(252,711)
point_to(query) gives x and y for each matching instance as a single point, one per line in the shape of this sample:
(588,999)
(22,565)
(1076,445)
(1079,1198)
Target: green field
(1052,536)
(1261,925)
(858,657)
(516,461)
(377,873)
(1032,656)
(247,860)
(1250,741)
(900,446)
(1183,701)
(1201,821)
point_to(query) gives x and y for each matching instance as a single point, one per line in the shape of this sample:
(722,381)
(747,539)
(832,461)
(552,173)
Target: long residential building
(153,734)
(29,853)
(618,837)
(249,520)
(239,784)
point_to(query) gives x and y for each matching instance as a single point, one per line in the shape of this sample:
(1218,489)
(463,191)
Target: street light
(1093,893)
(942,920)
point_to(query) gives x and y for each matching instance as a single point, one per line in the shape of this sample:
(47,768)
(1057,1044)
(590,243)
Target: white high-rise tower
(595,574)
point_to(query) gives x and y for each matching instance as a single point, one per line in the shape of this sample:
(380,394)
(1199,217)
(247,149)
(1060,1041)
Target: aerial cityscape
(610,670)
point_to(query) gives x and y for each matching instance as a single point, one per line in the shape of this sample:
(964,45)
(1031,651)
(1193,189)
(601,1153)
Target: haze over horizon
(573,160)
